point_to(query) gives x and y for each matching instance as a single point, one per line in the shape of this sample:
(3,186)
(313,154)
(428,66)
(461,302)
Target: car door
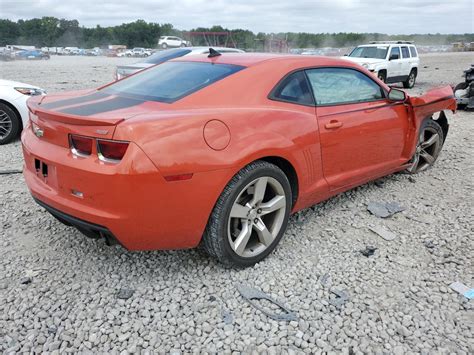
(406,61)
(362,133)
(394,66)
(174,42)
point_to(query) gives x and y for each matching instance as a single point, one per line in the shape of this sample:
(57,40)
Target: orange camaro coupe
(219,150)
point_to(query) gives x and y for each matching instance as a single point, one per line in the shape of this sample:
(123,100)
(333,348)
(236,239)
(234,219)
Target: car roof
(385,44)
(251,59)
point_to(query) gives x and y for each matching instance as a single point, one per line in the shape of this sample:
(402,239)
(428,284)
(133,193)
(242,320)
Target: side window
(413,52)
(294,88)
(395,51)
(332,86)
(405,52)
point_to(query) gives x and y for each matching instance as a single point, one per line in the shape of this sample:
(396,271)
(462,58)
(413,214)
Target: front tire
(10,124)
(382,75)
(164,46)
(250,216)
(430,143)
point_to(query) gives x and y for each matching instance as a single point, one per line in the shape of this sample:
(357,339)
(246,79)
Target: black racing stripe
(75,100)
(116,103)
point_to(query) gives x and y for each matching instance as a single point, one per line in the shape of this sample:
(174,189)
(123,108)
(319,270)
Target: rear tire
(164,46)
(429,145)
(410,82)
(10,124)
(250,216)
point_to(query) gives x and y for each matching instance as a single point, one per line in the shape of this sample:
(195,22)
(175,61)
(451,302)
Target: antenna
(213,53)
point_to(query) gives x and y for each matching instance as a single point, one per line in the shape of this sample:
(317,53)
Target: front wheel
(164,46)
(430,142)
(382,75)
(250,216)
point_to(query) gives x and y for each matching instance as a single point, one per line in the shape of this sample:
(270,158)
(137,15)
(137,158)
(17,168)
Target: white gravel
(399,300)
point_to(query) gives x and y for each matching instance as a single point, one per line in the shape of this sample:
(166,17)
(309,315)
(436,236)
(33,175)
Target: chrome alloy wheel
(5,124)
(256,217)
(427,150)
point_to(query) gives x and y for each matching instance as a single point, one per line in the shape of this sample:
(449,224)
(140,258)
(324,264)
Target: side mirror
(394,57)
(397,95)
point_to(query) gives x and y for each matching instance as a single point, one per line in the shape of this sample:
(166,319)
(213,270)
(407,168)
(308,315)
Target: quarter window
(294,88)
(405,52)
(332,86)
(413,52)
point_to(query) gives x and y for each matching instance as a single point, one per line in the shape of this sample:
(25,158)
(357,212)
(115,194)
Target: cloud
(398,17)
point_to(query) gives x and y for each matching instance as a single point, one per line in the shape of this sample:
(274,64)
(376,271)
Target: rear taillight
(81,145)
(112,151)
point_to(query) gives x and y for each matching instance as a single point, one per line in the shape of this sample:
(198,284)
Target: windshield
(166,55)
(369,52)
(171,81)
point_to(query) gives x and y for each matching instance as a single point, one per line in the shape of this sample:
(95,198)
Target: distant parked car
(392,62)
(13,110)
(172,41)
(125,70)
(35,55)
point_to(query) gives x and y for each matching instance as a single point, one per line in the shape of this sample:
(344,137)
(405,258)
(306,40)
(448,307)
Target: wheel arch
(288,169)
(442,120)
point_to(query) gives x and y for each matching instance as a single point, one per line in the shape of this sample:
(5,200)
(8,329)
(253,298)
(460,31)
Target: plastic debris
(125,294)
(250,294)
(341,298)
(383,232)
(227,316)
(9,172)
(26,280)
(462,289)
(384,210)
(368,251)
(325,279)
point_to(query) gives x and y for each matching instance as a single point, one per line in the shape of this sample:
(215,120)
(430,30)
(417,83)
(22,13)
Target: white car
(13,109)
(160,57)
(392,62)
(172,41)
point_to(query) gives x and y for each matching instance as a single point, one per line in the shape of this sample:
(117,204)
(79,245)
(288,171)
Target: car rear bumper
(129,201)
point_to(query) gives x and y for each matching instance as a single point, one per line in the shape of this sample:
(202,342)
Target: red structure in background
(216,39)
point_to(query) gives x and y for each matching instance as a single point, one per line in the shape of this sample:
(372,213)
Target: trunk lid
(90,113)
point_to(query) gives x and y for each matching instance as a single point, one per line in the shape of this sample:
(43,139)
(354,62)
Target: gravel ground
(60,291)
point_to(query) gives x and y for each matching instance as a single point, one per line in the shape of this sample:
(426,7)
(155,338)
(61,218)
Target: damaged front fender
(426,106)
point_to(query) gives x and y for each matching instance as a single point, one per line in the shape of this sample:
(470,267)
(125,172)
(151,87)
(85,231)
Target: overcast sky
(392,17)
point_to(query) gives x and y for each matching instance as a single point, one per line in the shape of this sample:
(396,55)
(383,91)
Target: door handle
(333,124)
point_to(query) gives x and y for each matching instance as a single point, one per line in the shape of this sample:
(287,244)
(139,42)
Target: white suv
(392,62)
(172,41)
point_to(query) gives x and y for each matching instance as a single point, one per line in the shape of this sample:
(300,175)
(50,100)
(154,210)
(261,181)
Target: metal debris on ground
(462,289)
(250,294)
(384,210)
(383,232)
(341,298)
(429,244)
(125,294)
(10,172)
(368,251)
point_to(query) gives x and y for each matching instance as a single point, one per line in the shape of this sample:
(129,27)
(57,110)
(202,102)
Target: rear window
(413,52)
(166,55)
(171,81)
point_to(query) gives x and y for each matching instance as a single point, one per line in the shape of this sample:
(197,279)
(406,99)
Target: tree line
(54,32)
